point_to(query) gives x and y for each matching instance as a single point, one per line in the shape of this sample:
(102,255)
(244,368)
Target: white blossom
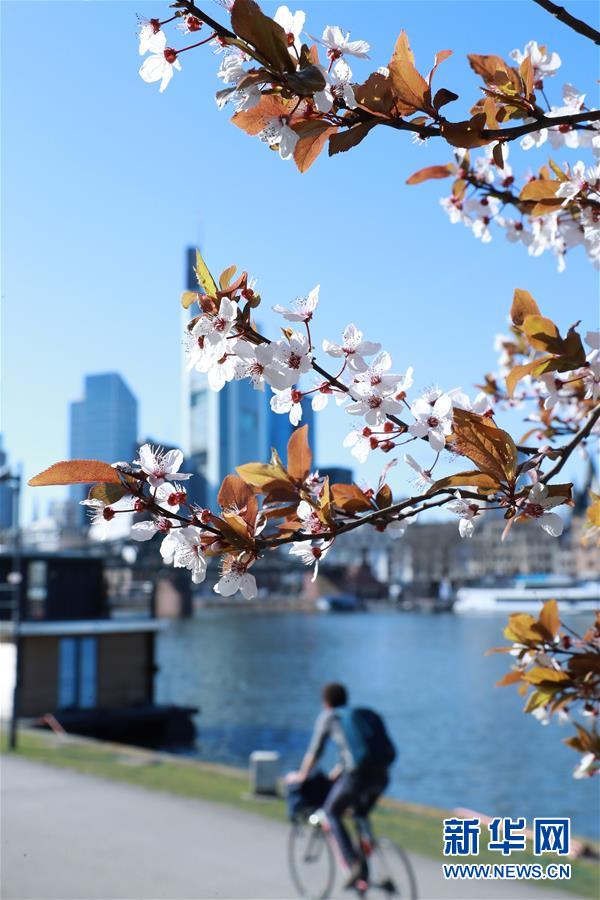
(360,444)
(353,348)
(466,510)
(291,358)
(288,401)
(539,502)
(310,553)
(339,44)
(433,414)
(278,133)
(188,552)
(425,477)
(236,578)
(337,87)
(160,465)
(161,62)
(292,24)
(544,64)
(302,308)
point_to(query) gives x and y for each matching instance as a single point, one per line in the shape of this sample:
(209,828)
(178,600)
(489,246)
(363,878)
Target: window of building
(77,672)
(37,588)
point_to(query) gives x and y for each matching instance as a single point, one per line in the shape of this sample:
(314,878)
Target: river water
(462,741)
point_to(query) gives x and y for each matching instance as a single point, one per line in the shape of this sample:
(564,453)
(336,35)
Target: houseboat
(76,665)
(526,593)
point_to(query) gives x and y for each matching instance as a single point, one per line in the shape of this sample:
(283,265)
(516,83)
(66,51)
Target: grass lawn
(417,828)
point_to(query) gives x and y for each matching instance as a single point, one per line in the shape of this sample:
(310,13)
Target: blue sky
(105,182)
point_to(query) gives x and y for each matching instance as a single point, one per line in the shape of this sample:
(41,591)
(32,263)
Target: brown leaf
(254,120)
(313,137)
(307,81)
(253,26)
(510,678)
(299,454)
(431,172)
(440,57)
(474,478)
(107,493)
(491,449)
(188,298)
(226,277)
(489,65)
(262,476)
(543,334)
(350,498)
(409,85)
(234,493)
(537,367)
(376,95)
(467,133)
(549,618)
(539,189)
(442,97)
(345,140)
(523,305)
(384,497)
(76,471)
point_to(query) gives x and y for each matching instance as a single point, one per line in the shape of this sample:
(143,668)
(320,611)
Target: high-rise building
(6,494)
(103,424)
(227,428)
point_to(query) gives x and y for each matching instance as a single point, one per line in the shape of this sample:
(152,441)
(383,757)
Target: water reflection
(461,741)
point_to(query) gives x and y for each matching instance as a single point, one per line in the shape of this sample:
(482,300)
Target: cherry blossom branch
(331,379)
(578,25)
(566,451)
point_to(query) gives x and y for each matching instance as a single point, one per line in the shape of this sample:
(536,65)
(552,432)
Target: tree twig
(560,13)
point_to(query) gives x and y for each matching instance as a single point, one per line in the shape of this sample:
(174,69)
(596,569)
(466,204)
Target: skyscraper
(6,493)
(104,424)
(224,429)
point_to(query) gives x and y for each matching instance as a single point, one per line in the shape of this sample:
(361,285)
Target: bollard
(264,770)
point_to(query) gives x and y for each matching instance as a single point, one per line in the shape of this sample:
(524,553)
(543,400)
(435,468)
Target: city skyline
(112,269)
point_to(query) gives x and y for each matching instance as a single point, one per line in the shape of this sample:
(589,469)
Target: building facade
(6,494)
(103,424)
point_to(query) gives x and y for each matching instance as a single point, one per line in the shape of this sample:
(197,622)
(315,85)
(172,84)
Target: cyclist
(361,775)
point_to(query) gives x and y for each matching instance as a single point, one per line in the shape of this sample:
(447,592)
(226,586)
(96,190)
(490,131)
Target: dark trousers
(353,790)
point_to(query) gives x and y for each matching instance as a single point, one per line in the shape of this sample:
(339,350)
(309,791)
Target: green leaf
(205,279)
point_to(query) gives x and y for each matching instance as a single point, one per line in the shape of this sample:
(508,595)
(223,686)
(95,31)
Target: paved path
(71,836)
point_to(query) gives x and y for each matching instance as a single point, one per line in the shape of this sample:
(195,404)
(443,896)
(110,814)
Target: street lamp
(15,579)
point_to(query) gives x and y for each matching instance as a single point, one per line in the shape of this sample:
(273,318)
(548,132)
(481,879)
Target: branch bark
(578,25)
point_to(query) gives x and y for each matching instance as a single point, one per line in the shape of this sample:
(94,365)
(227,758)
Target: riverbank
(417,828)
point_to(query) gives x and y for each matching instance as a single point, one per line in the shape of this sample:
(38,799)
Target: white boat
(527,593)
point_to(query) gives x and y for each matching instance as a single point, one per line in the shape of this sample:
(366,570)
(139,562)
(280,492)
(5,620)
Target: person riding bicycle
(361,775)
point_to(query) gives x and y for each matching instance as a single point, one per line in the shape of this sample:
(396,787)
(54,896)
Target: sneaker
(358,872)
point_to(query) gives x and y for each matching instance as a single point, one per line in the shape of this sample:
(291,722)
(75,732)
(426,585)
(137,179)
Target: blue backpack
(367,738)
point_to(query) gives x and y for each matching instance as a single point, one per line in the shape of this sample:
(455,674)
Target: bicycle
(312,853)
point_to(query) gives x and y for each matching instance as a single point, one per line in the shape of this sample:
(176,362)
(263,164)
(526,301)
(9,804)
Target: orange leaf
(234,493)
(510,678)
(431,172)
(299,454)
(539,189)
(523,305)
(409,85)
(313,137)
(491,449)
(350,498)
(76,471)
(254,120)
(549,618)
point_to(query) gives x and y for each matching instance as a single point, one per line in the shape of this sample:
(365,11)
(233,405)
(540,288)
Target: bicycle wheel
(311,861)
(390,872)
